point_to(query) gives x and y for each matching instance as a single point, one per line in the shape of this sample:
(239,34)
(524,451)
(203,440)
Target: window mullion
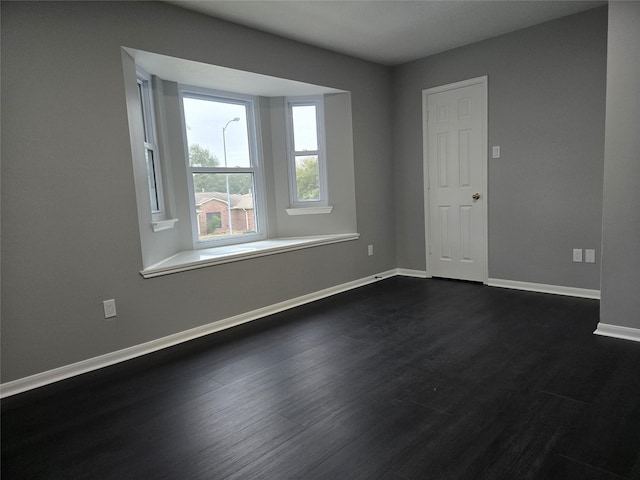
(220,170)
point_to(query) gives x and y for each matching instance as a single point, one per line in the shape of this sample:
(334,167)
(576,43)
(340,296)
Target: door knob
(475,196)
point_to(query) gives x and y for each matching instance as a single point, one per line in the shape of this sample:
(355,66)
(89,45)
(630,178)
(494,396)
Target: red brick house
(213,213)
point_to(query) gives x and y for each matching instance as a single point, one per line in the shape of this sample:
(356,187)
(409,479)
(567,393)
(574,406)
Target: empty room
(393,240)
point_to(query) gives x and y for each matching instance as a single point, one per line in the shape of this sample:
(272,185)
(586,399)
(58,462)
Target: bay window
(224,151)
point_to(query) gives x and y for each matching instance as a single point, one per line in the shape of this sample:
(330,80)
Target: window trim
(256,169)
(150,143)
(318,102)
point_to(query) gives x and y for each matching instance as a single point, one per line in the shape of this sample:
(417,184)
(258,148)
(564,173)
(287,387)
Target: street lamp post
(224,149)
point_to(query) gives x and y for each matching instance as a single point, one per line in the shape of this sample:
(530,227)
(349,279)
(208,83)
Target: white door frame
(484,80)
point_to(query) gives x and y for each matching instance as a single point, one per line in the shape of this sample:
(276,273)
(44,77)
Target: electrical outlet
(370,250)
(577,254)
(109,308)
(590,256)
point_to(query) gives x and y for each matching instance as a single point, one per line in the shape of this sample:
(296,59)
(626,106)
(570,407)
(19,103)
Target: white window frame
(256,168)
(318,102)
(151,142)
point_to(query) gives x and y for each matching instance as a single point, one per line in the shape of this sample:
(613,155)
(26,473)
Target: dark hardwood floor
(403,379)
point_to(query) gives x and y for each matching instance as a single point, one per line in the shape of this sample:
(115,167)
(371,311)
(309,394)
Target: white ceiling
(389,32)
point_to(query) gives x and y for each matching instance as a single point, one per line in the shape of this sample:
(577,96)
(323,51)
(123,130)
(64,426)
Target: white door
(455,166)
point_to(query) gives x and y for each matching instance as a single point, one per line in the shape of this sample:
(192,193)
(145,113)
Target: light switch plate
(577,254)
(590,256)
(495,151)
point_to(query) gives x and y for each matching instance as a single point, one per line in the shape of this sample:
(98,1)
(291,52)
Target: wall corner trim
(67,371)
(615,331)
(544,288)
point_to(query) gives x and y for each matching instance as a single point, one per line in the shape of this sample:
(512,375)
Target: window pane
(151,173)
(305,132)
(217,133)
(142,109)
(216,204)
(307,178)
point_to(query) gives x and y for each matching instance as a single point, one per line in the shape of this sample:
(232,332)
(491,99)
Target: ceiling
(389,32)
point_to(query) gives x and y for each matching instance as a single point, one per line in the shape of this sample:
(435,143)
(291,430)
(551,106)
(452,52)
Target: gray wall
(546,111)
(69,221)
(620,303)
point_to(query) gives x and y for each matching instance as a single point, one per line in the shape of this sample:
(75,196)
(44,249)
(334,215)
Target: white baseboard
(40,379)
(544,288)
(405,272)
(616,331)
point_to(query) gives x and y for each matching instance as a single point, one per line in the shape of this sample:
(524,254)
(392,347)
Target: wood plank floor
(403,379)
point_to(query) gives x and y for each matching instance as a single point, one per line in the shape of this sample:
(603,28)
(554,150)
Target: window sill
(192,259)
(309,210)
(160,225)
